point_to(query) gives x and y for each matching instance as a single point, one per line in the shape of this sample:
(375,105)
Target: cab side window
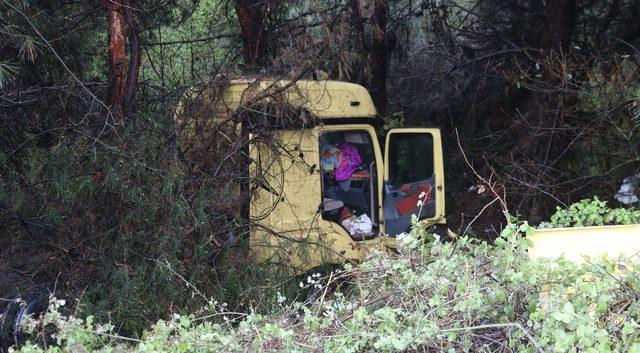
(410,158)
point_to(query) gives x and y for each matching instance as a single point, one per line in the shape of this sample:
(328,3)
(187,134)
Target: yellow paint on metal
(438,169)
(324,99)
(294,236)
(576,243)
(205,115)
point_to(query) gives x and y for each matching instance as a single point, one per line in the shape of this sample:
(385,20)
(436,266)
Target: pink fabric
(349,163)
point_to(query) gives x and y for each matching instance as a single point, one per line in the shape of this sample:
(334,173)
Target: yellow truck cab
(325,191)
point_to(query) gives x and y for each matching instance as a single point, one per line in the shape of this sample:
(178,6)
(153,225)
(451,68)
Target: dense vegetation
(456,296)
(591,213)
(538,101)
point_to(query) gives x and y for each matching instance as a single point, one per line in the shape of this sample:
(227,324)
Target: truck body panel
(577,243)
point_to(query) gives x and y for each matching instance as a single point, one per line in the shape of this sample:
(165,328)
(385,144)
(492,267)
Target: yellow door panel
(413,178)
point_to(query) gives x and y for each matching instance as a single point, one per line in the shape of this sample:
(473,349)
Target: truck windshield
(410,158)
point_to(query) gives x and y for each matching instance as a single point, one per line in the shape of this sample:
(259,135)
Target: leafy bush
(591,213)
(122,223)
(457,296)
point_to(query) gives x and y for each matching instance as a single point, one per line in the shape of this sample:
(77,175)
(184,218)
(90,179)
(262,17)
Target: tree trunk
(251,16)
(381,47)
(117,57)
(357,21)
(123,77)
(561,15)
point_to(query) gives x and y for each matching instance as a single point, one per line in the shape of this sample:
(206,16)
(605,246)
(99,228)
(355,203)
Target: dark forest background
(98,202)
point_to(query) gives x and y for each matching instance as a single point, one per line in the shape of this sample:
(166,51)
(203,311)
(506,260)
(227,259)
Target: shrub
(591,212)
(120,222)
(463,295)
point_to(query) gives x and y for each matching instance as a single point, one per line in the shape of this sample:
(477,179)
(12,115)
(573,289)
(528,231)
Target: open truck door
(413,178)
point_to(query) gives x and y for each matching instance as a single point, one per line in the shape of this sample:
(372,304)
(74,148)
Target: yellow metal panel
(576,243)
(325,99)
(438,168)
(294,235)
(210,111)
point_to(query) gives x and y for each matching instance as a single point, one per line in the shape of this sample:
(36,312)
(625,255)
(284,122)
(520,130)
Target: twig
(490,55)
(503,203)
(324,293)
(119,337)
(188,41)
(505,325)
(478,215)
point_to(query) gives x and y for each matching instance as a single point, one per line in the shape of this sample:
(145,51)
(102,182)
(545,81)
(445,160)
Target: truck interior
(349,182)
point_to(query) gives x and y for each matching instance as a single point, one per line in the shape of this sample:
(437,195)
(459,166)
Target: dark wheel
(16,311)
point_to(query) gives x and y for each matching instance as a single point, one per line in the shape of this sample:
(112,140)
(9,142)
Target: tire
(15,313)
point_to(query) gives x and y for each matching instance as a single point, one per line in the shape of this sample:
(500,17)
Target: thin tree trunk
(117,58)
(360,41)
(562,17)
(123,75)
(381,48)
(251,16)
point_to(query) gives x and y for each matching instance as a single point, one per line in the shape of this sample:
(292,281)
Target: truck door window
(349,182)
(410,158)
(409,184)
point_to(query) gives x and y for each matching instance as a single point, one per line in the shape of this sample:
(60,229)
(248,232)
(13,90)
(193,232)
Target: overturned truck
(324,186)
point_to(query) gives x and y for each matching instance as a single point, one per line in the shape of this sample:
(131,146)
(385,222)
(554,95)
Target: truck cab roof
(325,99)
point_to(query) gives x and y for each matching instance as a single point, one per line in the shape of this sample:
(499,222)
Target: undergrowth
(121,223)
(591,212)
(464,295)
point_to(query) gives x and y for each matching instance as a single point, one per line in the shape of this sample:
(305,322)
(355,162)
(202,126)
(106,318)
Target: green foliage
(7,73)
(591,212)
(198,38)
(124,224)
(457,296)
(395,121)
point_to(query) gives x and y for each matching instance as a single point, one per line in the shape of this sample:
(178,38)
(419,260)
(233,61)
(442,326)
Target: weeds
(464,295)
(591,212)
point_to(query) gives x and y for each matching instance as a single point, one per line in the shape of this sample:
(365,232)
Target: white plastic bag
(363,225)
(627,193)
(358,225)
